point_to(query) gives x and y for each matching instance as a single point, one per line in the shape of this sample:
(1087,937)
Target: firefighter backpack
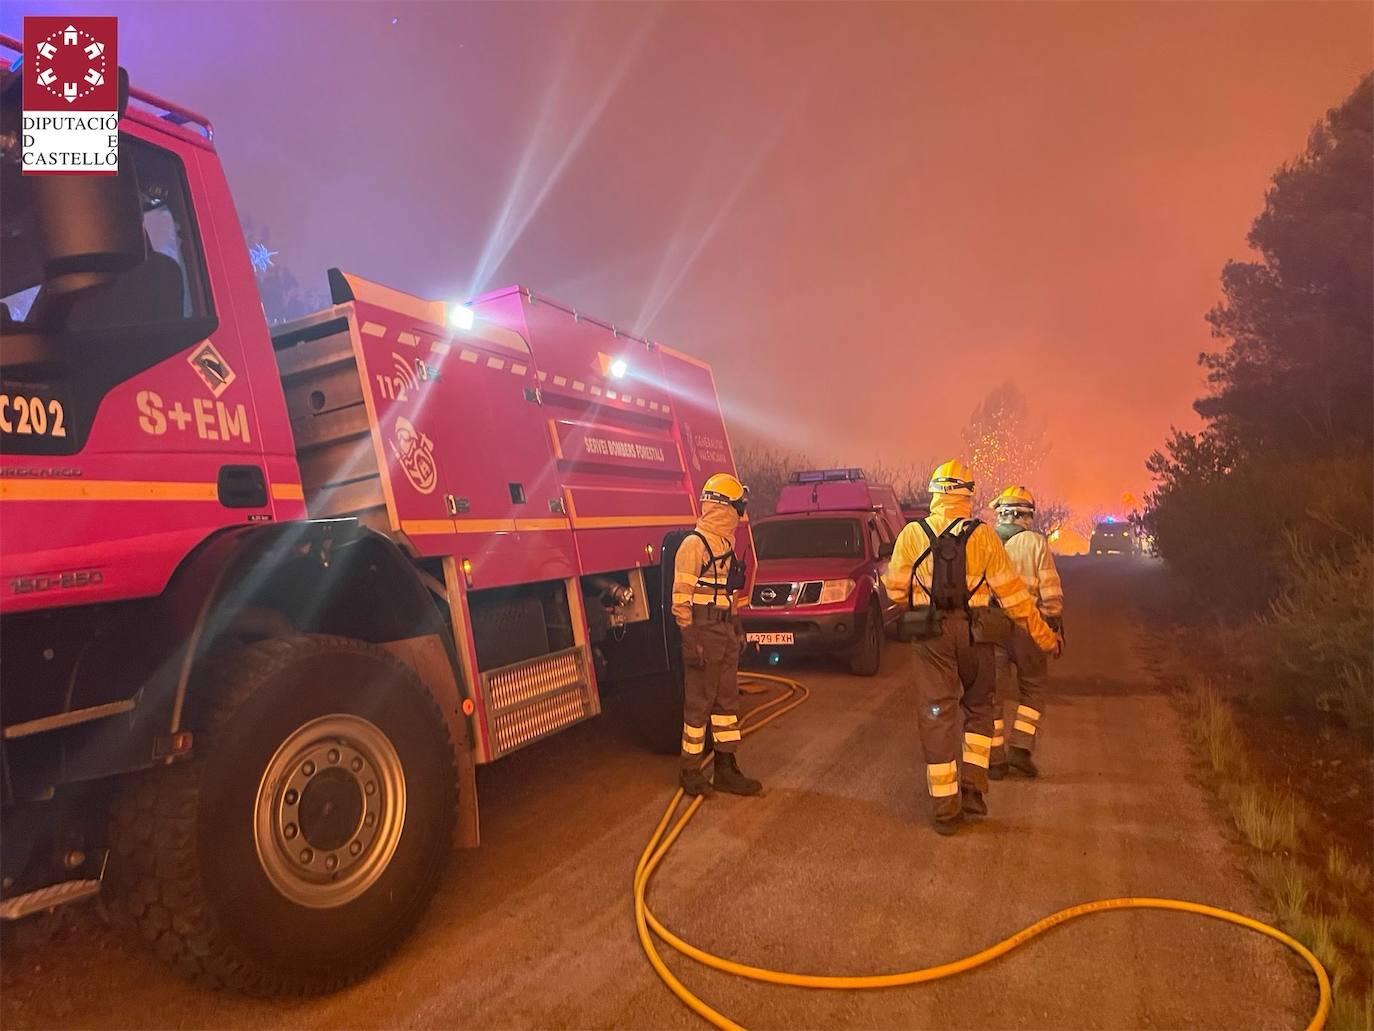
(948,589)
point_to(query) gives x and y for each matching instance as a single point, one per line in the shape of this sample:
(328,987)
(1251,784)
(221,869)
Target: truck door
(881,537)
(127,419)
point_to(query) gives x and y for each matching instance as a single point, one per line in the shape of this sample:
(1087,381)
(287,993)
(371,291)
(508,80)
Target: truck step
(51,897)
(532,699)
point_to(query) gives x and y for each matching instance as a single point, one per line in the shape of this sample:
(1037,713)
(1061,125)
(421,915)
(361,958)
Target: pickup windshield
(809,538)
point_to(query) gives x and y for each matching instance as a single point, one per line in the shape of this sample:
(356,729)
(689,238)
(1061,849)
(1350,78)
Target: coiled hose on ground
(793,695)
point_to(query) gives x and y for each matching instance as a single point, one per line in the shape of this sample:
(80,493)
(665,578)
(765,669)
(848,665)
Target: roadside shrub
(1321,626)
(1229,536)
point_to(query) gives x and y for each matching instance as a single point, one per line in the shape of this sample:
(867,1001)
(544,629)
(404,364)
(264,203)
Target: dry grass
(1215,729)
(1345,872)
(1286,884)
(1268,820)
(1351,1012)
(1305,886)
(1314,931)
(1354,933)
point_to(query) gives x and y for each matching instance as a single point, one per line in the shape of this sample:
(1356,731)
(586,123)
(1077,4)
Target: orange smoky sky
(865,216)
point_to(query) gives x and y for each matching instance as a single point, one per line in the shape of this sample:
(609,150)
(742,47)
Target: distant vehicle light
(619,368)
(461,316)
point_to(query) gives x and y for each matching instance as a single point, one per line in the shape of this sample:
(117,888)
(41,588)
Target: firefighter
(945,569)
(707,581)
(1021,666)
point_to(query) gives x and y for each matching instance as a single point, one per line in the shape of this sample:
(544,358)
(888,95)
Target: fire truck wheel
(303,841)
(866,661)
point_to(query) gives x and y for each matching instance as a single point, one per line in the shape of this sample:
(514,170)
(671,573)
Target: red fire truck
(266,599)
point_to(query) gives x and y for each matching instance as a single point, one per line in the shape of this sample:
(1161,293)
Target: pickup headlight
(835,590)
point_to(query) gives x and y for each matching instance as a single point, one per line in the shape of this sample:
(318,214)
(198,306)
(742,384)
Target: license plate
(769,638)
(33,419)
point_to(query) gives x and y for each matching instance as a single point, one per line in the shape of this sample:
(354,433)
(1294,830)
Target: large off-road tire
(868,659)
(303,841)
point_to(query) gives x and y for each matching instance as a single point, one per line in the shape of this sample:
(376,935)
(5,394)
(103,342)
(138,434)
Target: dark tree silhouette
(1300,321)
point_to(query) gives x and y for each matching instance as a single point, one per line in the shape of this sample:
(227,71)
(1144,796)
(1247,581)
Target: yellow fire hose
(661,842)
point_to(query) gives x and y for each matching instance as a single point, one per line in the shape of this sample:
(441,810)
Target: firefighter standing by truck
(945,570)
(1021,666)
(707,580)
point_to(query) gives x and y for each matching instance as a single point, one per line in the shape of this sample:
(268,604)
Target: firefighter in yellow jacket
(707,582)
(1021,666)
(945,569)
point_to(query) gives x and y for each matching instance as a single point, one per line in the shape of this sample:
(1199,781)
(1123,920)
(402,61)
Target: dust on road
(834,870)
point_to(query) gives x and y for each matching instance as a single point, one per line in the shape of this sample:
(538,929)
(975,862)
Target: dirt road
(833,870)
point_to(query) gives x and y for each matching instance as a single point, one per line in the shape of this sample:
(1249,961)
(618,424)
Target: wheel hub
(330,810)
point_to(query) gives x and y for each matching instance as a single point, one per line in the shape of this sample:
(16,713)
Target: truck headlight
(835,590)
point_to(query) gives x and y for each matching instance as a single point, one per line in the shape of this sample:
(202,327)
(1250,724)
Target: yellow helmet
(953,477)
(725,489)
(1015,497)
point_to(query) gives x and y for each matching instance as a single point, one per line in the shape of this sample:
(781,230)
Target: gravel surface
(833,870)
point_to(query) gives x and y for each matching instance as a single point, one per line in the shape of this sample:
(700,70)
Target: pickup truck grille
(772,595)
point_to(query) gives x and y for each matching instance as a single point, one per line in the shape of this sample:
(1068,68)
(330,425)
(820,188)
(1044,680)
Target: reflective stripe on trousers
(942,779)
(977,748)
(1023,729)
(693,739)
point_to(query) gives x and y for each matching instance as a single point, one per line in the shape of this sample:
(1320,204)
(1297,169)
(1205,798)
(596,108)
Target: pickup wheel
(869,658)
(303,841)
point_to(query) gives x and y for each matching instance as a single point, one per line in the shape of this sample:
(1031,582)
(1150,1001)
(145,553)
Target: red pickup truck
(818,588)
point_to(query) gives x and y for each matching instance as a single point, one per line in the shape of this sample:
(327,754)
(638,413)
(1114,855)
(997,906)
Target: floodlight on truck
(460,316)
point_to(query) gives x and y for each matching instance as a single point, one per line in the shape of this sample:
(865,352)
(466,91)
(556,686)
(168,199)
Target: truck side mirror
(91,227)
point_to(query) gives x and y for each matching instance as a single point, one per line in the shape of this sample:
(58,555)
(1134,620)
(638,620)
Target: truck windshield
(809,538)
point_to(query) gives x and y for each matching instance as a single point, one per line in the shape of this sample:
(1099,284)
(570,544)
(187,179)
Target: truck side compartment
(530,463)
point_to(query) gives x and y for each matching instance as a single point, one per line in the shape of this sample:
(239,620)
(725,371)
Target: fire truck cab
(267,598)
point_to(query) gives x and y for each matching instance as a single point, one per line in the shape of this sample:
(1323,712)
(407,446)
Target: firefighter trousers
(954,685)
(710,668)
(1022,670)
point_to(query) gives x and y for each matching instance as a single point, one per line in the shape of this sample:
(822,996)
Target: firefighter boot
(693,782)
(948,826)
(948,814)
(729,779)
(974,802)
(1019,761)
(997,771)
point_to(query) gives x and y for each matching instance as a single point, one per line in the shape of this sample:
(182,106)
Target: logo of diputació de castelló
(71,96)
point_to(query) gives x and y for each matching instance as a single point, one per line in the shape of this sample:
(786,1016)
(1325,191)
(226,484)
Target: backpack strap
(911,581)
(712,559)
